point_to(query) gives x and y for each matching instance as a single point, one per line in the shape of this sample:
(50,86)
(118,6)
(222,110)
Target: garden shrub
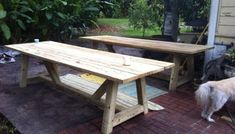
(24,20)
(146,14)
(114,8)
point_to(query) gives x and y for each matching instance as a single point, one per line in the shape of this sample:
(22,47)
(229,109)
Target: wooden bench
(104,64)
(86,88)
(180,52)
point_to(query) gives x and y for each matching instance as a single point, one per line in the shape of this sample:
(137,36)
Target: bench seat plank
(77,84)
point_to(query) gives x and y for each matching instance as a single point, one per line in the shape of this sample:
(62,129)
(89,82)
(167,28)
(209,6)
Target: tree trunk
(171,20)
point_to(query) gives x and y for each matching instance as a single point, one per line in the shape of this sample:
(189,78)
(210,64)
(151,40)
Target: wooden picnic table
(104,64)
(180,52)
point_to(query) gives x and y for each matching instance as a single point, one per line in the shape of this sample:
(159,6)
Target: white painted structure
(221,27)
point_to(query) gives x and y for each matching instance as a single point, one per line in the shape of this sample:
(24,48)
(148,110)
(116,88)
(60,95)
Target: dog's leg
(204,111)
(218,99)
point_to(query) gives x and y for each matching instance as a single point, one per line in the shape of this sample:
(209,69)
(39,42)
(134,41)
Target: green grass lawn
(113,22)
(125,29)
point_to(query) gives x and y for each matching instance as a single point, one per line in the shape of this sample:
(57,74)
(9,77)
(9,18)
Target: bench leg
(52,70)
(190,67)
(110,48)
(109,109)
(174,73)
(94,45)
(24,70)
(141,95)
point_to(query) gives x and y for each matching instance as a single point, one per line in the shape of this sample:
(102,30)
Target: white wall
(212,29)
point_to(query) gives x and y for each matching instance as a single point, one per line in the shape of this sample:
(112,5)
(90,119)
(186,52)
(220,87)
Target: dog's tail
(202,94)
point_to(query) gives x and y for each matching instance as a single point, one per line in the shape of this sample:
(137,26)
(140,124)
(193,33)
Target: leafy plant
(231,53)
(3,26)
(6,127)
(146,14)
(194,9)
(24,20)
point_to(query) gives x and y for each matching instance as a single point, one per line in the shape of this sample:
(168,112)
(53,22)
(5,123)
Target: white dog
(211,96)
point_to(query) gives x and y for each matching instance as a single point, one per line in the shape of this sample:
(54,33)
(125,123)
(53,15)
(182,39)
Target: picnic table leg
(109,108)
(24,70)
(94,45)
(190,67)
(52,70)
(141,95)
(175,73)
(110,48)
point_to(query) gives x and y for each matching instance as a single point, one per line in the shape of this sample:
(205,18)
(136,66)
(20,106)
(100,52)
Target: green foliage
(114,8)
(194,9)
(107,7)
(6,127)
(146,14)
(231,53)
(3,26)
(24,20)
(122,28)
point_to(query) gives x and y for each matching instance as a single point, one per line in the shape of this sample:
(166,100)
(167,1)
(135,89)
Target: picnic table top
(101,63)
(154,45)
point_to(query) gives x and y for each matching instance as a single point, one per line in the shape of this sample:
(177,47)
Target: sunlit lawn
(125,29)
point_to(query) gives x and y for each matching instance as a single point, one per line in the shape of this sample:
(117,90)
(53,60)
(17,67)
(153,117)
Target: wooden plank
(103,64)
(127,114)
(73,85)
(226,21)
(224,40)
(101,90)
(52,70)
(227,3)
(122,116)
(141,95)
(94,45)
(175,73)
(36,78)
(110,48)
(227,11)
(226,31)
(24,70)
(183,80)
(123,101)
(162,46)
(109,109)
(190,67)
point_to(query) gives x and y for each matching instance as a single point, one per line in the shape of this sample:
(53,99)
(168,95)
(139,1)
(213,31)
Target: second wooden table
(180,52)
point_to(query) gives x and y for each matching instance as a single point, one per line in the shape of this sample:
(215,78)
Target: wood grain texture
(141,94)
(228,31)
(227,11)
(52,70)
(168,47)
(127,114)
(175,73)
(109,107)
(24,70)
(100,63)
(101,90)
(227,3)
